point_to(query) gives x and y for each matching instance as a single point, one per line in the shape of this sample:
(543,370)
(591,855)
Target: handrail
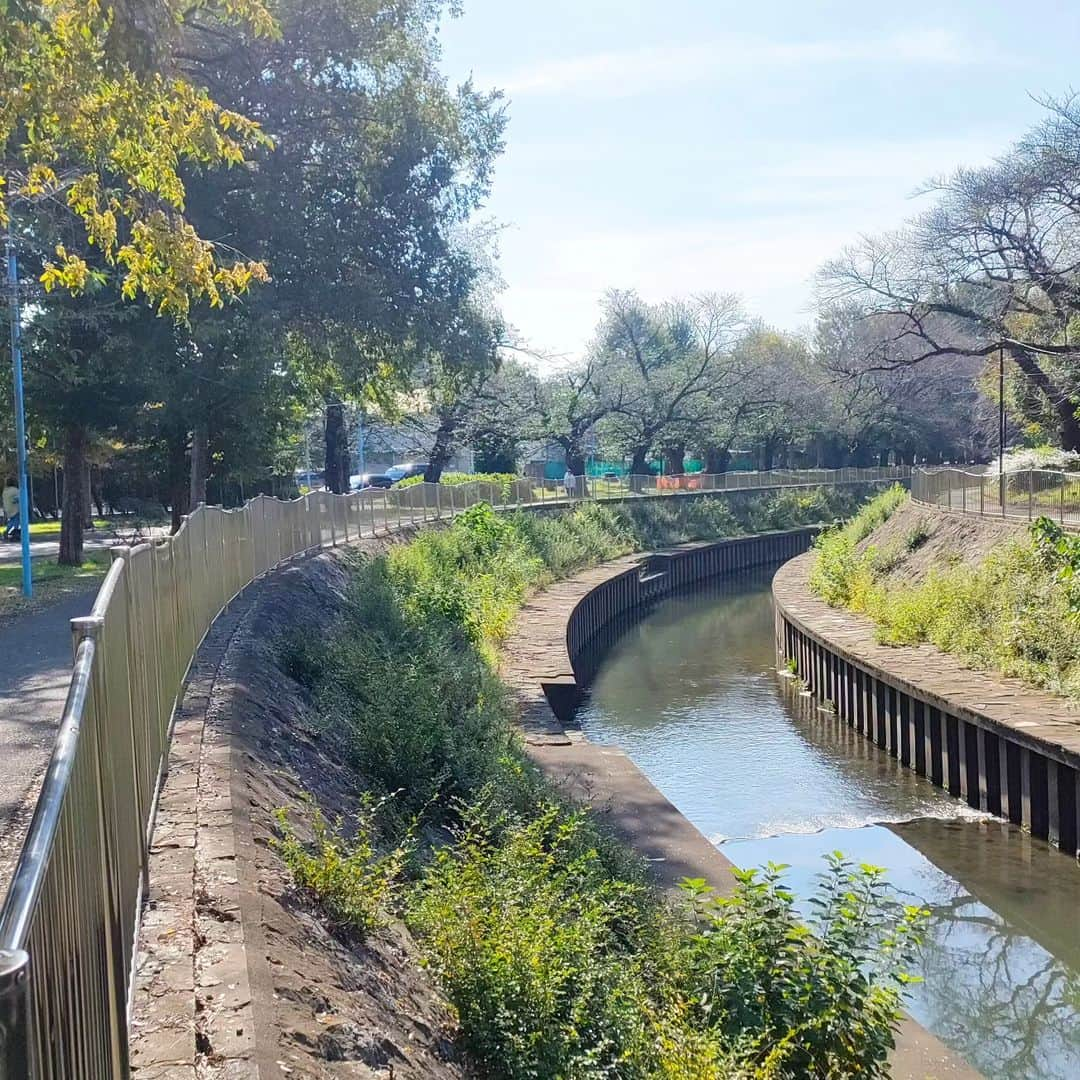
(70,918)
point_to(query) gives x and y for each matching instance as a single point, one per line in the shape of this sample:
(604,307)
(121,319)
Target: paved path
(49,547)
(35,666)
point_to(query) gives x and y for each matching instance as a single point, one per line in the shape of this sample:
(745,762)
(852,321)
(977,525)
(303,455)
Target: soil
(950,540)
(330,1007)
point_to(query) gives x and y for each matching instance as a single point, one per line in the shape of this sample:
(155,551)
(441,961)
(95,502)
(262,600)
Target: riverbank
(1002,746)
(211,1013)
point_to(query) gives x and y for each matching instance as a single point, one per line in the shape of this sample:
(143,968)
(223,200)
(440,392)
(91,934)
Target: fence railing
(69,921)
(1025,494)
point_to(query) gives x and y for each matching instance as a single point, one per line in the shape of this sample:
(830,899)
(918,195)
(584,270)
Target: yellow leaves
(73,273)
(124,136)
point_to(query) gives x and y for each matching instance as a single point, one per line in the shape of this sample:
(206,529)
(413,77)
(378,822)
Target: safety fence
(70,917)
(1025,494)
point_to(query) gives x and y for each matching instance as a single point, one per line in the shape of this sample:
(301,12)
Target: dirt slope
(330,1008)
(951,539)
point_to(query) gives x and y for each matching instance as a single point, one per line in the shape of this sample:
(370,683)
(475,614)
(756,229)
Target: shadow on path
(35,667)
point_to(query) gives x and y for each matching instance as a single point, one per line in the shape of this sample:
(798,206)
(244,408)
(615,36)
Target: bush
(817,1000)
(352,881)
(457,479)
(842,574)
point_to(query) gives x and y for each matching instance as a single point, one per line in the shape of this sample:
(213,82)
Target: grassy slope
(991,593)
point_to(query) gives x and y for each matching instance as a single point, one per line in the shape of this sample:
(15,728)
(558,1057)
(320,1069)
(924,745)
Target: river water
(692,695)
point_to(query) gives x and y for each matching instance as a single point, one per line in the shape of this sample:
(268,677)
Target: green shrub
(352,881)
(456,479)
(842,574)
(817,999)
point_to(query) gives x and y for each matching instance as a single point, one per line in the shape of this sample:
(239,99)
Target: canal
(692,695)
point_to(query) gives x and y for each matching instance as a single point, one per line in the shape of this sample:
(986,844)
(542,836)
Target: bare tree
(993,265)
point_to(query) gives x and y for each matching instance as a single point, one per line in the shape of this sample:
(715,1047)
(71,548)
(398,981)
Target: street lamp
(20,417)
(1001,427)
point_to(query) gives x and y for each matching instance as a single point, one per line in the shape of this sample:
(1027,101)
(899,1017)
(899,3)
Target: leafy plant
(353,882)
(818,997)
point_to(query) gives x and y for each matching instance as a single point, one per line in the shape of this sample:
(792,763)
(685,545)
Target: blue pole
(20,419)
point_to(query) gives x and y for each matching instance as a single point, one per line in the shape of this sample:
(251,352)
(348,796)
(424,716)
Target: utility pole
(20,417)
(1001,428)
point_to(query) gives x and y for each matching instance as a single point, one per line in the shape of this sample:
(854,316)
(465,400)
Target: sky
(687,146)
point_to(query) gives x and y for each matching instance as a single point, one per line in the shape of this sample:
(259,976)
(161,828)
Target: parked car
(369,480)
(406,471)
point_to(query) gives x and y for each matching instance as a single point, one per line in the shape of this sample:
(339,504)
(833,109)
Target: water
(691,694)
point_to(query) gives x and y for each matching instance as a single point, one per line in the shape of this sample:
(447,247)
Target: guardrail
(1024,494)
(70,918)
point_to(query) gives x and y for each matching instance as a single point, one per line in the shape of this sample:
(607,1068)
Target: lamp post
(1001,427)
(20,418)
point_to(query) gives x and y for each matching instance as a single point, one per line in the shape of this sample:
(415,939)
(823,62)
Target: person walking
(10,499)
(569,483)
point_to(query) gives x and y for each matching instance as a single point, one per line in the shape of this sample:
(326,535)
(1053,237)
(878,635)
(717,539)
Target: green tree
(376,164)
(94,118)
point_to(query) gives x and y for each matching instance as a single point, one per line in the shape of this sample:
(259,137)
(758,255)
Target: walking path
(35,668)
(49,547)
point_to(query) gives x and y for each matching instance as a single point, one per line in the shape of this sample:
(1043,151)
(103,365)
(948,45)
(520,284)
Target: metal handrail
(1017,494)
(70,918)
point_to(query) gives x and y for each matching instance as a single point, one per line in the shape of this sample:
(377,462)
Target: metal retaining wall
(977,762)
(626,596)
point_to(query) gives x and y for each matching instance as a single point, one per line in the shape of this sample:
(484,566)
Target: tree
(453,380)
(992,266)
(96,120)
(869,401)
(569,405)
(376,164)
(672,362)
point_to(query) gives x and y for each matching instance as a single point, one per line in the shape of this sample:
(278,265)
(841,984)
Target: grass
(557,955)
(52,528)
(1016,612)
(51,583)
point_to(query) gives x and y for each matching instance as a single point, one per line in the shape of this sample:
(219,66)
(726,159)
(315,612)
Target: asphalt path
(35,668)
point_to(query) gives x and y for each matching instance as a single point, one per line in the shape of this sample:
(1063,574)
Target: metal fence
(69,922)
(1026,494)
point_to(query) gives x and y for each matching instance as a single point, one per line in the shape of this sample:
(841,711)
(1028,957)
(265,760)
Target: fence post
(15,1040)
(1031,491)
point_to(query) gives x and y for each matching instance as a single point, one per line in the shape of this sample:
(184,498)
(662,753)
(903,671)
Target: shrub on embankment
(1009,605)
(559,958)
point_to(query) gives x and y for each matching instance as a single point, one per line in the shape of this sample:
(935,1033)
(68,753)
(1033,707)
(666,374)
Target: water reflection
(691,695)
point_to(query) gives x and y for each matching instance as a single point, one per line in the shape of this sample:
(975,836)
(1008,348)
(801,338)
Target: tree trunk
(717,459)
(337,449)
(71,524)
(443,450)
(200,462)
(639,465)
(674,458)
(177,489)
(1064,408)
(765,459)
(87,498)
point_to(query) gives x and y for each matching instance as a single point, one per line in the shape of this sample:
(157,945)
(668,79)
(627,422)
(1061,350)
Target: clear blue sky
(680,146)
